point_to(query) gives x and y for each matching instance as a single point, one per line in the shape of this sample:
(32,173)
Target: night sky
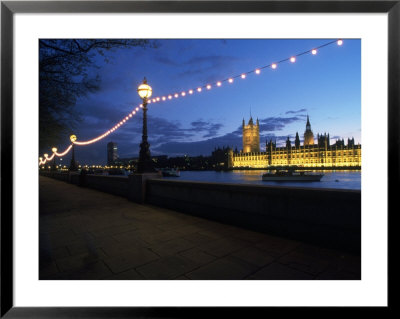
(326,86)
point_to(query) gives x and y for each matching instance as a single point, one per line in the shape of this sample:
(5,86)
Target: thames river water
(331,179)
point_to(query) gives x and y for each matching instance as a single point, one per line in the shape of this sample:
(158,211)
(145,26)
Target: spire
(251,118)
(258,123)
(297,140)
(288,143)
(308,125)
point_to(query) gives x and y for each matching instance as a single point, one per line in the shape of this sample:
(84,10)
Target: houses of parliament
(313,153)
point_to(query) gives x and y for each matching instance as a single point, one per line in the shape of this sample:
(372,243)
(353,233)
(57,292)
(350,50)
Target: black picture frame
(9,8)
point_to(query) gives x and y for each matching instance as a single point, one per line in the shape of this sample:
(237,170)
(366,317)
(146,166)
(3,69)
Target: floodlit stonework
(310,154)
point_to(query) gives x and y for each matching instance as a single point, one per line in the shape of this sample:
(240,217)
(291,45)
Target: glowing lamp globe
(46,155)
(144,90)
(40,158)
(54,149)
(72,138)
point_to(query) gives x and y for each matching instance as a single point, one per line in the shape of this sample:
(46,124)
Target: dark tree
(65,74)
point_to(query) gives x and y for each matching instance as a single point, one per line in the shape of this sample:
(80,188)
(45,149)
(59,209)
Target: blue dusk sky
(326,86)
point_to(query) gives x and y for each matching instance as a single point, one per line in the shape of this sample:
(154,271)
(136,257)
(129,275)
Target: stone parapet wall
(116,185)
(328,217)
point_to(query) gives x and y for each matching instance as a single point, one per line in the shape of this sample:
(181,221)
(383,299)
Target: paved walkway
(86,234)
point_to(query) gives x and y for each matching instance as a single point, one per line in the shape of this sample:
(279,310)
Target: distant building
(308,134)
(251,136)
(112,153)
(317,155)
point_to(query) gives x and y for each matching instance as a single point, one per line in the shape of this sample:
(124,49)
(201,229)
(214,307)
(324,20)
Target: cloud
(204,147)
(271,124)
(295,112)
(171,138)
(233,139)
(166,60)
(197,66)
(210,129)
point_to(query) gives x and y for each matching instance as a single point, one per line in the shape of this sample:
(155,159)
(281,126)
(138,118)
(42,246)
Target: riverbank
(87,234)
(328,217)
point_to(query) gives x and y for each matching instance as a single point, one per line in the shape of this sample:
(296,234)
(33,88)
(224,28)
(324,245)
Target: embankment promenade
(88,234)
(327,217)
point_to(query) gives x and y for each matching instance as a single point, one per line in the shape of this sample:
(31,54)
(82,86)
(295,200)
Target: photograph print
(199,159)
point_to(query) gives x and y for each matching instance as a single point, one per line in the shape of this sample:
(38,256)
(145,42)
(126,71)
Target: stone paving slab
(276,271)
(168,267)
(129,259)
(227,268)
(89,235)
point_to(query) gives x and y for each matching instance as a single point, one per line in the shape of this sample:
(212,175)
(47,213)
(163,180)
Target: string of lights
(65,152)
(199,89)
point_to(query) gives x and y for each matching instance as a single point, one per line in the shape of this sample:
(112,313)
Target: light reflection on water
(331,179)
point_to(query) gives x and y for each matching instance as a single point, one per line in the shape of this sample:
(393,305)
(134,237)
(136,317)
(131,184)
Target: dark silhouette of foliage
(65,74)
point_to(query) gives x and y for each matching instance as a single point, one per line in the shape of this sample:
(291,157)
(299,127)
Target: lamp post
(45,156)
(54,167)
(72,165)
(145,164)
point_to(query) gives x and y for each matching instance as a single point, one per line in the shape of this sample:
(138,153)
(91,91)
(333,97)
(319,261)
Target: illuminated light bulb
(123,120)
(170,97)
(149,101)
(274,66)
(208,87)
(141,105)
(258,71)
(314,51)
(339,42)
(243,76)
(219,83)
(126,118)
(293,59)
(130,115)
(190,91)
(176,95)
(46,155)
(137,109)
(198,89)
(158,99)
(230,80)
(164,98)
(54,149)
(154,100)
(120,123)
(183,93)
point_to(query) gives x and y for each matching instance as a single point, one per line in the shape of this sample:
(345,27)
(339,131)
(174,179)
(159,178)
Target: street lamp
(54,149)
(72,165)
(144,164)
(144,90)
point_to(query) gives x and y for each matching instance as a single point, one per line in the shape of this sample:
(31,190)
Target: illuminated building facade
(321,154)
